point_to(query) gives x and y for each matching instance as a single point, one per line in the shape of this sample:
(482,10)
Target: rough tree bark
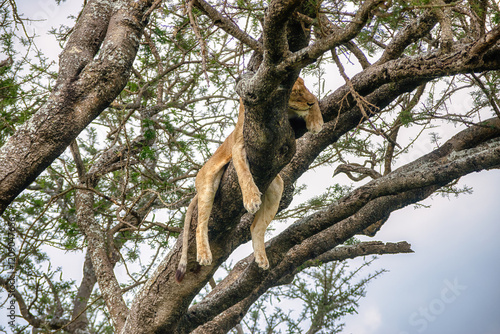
(86,85)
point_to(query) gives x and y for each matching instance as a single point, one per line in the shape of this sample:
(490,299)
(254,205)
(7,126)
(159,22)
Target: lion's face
(301,99)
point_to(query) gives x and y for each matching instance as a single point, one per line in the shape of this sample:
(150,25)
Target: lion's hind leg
(206,186)
(266,213)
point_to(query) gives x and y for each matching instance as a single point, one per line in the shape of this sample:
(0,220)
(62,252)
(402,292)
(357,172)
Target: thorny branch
(201,40)
(227,25)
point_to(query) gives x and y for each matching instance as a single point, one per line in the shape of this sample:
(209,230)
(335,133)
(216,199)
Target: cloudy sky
(449,285)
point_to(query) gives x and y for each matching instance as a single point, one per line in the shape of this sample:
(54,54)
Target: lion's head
(304,104)
(301,99)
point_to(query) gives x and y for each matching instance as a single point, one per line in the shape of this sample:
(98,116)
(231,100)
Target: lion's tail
(181,268)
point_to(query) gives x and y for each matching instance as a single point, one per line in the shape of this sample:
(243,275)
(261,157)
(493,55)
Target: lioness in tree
(301,103)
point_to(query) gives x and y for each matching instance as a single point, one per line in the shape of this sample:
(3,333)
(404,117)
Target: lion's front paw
(261,260)
(204,257)
(315,127)
(252,201)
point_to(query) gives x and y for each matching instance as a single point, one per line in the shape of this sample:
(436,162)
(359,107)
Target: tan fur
(302,103)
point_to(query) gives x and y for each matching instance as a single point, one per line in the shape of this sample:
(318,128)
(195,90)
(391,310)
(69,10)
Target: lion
(302,103)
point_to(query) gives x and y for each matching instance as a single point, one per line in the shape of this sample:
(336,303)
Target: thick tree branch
(275,39)
(257,285)
(99,251)
(412,32)
(82,46)
(484,43)
(79,320)
(419,69)
(258,88)
(228,26)
(356,168)
(83,90)
(342,253)
(79,317)
(309,54)
(423,68)
(223,322)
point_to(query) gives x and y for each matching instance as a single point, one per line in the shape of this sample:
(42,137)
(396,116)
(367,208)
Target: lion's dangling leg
(251,193)
(206,186)
(266,213)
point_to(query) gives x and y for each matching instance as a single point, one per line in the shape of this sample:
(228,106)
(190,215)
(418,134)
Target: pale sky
(450,284)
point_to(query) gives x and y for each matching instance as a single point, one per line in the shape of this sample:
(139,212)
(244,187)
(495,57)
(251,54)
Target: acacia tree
(145,91)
